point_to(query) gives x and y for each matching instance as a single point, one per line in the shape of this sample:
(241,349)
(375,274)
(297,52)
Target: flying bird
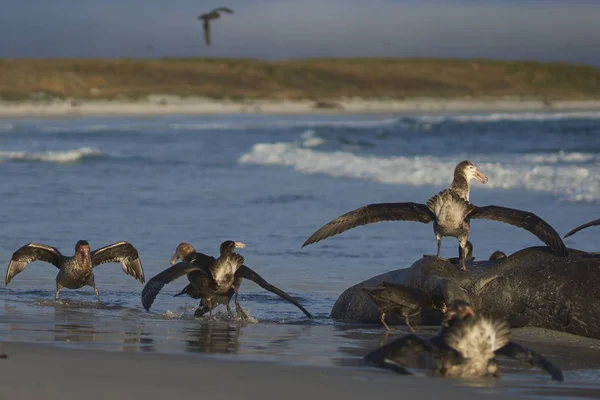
(207,17)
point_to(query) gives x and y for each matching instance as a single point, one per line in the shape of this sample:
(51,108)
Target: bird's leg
(58,289)
(439,248)
(408,323)
(387,328)
(228,309)
(238,308)
(210,307)
(522,353)
(463,253)
(97,294)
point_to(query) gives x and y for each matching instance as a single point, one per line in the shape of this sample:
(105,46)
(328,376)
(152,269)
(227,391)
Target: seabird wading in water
(402,299)
(466,346)
(209,16)
(450,211)
(76,271)
(200,270)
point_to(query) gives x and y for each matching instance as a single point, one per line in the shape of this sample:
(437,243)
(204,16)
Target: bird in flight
(207,17)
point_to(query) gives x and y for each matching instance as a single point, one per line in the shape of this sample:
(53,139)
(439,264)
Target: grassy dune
(314,79)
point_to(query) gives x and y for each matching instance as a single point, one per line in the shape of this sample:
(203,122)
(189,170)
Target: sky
(545,30)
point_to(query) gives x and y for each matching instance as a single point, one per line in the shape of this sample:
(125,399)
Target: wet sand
(172,105)
(34,371)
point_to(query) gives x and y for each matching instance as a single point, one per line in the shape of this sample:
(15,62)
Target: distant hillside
(294,79)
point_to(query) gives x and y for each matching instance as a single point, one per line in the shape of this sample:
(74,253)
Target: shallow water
(268,181)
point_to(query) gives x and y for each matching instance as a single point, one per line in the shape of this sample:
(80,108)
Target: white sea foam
(541,173)
(500,117)
(57,156)
(310,139)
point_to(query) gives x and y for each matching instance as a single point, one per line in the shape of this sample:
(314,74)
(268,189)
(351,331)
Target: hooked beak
(480,176)
(239,245)
(174,259)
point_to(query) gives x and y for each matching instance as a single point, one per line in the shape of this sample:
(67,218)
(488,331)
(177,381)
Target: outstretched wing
(224,9)
(387,356)
(580,227)
(520,352)
(156,283)
(29,253)
(370,214)
(247,273)
(122,252)
(524,220)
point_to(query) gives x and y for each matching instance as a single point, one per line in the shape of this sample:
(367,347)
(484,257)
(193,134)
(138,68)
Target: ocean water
(268,181)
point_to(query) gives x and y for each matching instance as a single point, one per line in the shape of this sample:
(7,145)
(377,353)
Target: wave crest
(54,156)
(554,173)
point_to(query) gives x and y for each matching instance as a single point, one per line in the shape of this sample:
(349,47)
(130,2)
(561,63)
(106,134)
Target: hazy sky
(567,30)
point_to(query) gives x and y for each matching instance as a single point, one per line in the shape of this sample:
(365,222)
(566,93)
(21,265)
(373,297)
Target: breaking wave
(515,117)
(571,175)
(162,125)
(55,156)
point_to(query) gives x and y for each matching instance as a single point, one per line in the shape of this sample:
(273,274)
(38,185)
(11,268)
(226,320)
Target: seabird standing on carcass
(76,271)
(466,346)
(201,271)
(580,227)
(401,299)
(209,16)
(450,211)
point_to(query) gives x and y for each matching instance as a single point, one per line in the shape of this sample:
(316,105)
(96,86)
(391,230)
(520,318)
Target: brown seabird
(401,299)
(209,16)
(76,271)
(466,346)
(203,272)
(449,210)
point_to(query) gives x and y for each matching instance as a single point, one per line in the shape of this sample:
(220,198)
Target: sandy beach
(172,105)
(34,371)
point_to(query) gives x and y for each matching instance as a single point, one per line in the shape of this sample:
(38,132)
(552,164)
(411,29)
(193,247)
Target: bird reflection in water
(74,332)
(136,340)
(213,337)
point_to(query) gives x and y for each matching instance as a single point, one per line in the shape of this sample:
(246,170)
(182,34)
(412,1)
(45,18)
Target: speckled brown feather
(522,219)
(372,213)
(122,252)
(29,253)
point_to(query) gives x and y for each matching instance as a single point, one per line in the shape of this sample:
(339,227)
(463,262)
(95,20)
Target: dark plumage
(209,16)
(401,299)
(466,346)
(76,271)
(580,227)
(450,212)
(203,273)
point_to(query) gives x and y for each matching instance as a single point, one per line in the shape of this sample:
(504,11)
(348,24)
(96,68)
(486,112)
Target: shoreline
(34,371)
(172,105)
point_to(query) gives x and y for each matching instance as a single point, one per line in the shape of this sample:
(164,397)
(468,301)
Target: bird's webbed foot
(522,353)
